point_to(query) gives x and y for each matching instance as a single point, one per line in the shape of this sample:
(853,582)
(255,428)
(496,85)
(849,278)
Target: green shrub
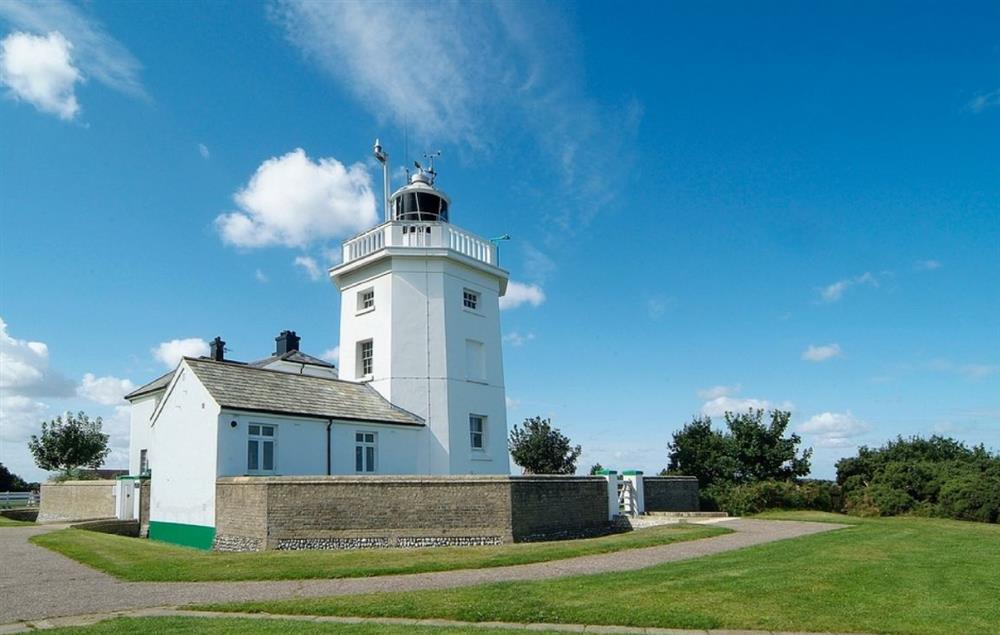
(753,498)
(972,497)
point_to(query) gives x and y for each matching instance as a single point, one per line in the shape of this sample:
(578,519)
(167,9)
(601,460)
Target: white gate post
(612,478)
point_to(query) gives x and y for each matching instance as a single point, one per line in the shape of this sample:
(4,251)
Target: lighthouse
(420,323)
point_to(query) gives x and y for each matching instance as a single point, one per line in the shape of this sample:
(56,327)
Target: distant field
(912,576)
(144,560)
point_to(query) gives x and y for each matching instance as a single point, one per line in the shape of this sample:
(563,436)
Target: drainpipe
(329,423)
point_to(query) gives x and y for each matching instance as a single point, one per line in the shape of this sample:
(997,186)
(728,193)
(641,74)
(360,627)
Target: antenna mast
(383,158)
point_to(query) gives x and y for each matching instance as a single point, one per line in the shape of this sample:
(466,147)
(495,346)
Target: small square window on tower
(366,299)
(470,299)
(366,358)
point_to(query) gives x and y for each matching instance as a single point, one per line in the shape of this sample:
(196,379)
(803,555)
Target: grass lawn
(213,626)
(901,575)
(9,522)
(145,560)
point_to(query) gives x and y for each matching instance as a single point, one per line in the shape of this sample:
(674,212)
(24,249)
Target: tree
(10,482)
(541,449)
(749,451)
(66,446)
(596,468)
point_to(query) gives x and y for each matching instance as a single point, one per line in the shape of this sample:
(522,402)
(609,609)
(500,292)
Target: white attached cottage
(420,390)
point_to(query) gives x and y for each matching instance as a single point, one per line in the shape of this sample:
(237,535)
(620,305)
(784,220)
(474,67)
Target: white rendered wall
(301,445)
(140,432)
(183,454)
(419,329)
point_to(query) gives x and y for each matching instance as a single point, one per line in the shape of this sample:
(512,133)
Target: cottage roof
(159,383)
(242,387)
(297,357)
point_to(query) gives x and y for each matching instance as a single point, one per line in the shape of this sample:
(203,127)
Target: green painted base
(197,536)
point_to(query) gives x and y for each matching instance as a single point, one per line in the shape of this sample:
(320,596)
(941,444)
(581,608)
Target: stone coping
(414,479)
(93,483)
(672,477)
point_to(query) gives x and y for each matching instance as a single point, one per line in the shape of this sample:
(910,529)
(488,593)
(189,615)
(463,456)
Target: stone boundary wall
(27,515)
(358,512)
(76,500)
(671,493)
(128,528)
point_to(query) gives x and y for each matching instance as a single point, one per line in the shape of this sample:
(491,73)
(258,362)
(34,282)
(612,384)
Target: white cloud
(518,294)
(971,371)
(983,101)
(108,391)
(926,265)
(39,70)
(538,266)
(20,417)
(718,391)
(835,291)
(512,403)
(98,55)
(515,338)
(170,353)
(721,405)
(833,429)
(293,201)
(309,265)
(260,276)
(24,368)
(203,151)
(331,355)
(821,353)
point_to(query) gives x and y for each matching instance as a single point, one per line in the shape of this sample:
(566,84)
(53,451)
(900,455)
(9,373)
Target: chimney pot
(217,349)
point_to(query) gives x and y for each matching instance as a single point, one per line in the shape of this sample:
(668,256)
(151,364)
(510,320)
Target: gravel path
(36,583)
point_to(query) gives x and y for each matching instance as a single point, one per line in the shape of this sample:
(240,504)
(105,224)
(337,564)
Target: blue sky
(712,205)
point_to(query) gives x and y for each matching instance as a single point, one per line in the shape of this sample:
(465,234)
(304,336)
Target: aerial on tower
(418,200)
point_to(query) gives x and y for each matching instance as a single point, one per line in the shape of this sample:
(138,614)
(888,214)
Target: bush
(753,498)
(922,477)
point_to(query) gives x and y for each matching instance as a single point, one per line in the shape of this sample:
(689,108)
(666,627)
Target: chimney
(287,342)
(217,349)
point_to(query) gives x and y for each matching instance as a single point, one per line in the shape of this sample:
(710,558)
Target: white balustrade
(422,235)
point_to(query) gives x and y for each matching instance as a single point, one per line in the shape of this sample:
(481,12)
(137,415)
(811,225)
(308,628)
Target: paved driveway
(36,583)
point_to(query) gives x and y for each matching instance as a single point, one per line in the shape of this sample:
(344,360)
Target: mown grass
(900,575)
(10,522)
(224,626)
(145,560)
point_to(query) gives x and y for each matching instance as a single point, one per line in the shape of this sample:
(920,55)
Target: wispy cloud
(516,338)
(719,391)
(473,75)
(835,291)
(98,55)
(260,276)
(971,371)
(984,101)
(309,266)
(821,353)
(203,151)
(926,265)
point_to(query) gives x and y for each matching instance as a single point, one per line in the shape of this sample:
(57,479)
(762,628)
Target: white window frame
(365,440)
(256,434)
(482,419)
(471,300)
(366,300)
(361,359)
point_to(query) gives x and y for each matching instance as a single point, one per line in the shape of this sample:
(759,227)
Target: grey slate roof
(159,383)
(297,357)
(242,387)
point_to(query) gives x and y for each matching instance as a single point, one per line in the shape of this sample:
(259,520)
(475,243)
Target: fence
(18,499)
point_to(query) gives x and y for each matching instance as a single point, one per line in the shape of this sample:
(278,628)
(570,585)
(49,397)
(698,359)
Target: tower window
(144,461)
(477,432)
(365,445)
(365,358)
(260,448)
(366,299)
(470,299)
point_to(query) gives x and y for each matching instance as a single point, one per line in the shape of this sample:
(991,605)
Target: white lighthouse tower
(420,321)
